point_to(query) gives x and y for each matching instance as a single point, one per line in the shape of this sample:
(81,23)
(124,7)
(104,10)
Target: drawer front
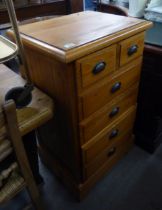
(131,48)
(110,136)
(96,66)
(91,126)
(100,96)
(110,156)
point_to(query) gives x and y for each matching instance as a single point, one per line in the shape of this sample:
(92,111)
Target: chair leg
(15,136)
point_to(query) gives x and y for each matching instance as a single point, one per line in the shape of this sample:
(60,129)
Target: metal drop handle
(132,50)
(111,152)
(100,66)
(116,87)
(114,112)
(114,133)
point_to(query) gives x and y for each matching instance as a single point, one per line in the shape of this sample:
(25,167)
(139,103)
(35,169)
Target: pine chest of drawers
(90,64)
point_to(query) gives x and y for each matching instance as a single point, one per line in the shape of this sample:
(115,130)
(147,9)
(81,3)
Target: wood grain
(86,66)
(84,100)
(94,32)
(57,80)
(101,94)
(95,146)
(99,120)
(88,24)
(39,111)
(104,159)
(125,45)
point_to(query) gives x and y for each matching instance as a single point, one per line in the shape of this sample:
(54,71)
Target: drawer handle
(111,151)
(99,67)
(114,133)
(114,112)
(116,87)
(133,49)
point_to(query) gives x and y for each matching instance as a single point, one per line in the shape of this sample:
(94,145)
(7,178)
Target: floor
(135,183)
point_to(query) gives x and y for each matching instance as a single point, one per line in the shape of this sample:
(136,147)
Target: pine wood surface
(94,31)
(39,111)
(96,97)
(86,64)
(101,141)
(104,157)
(137,40)
(102,118)
(87,24)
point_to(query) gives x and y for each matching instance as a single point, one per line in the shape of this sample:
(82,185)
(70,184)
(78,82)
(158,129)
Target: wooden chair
(113,8)
(19,174)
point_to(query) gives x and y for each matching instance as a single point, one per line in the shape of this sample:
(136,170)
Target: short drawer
(96,66)
(110,136)
(131,48)
(109,157)
(103,93)
(97,122)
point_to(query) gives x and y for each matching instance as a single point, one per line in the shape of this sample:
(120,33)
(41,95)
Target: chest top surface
(72,32)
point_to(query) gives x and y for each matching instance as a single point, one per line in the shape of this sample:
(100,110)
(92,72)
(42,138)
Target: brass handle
(99,67)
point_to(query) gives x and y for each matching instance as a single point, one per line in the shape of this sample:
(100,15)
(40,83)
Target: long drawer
(109,157)
(102,118)
(109,137)
(103,93)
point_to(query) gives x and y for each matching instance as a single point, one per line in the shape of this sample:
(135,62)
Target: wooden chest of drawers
(90,64)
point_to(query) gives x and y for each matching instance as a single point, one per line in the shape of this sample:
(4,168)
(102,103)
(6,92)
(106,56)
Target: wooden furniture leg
(14,133)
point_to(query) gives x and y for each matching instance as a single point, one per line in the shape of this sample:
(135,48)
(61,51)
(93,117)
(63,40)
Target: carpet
(135,183)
